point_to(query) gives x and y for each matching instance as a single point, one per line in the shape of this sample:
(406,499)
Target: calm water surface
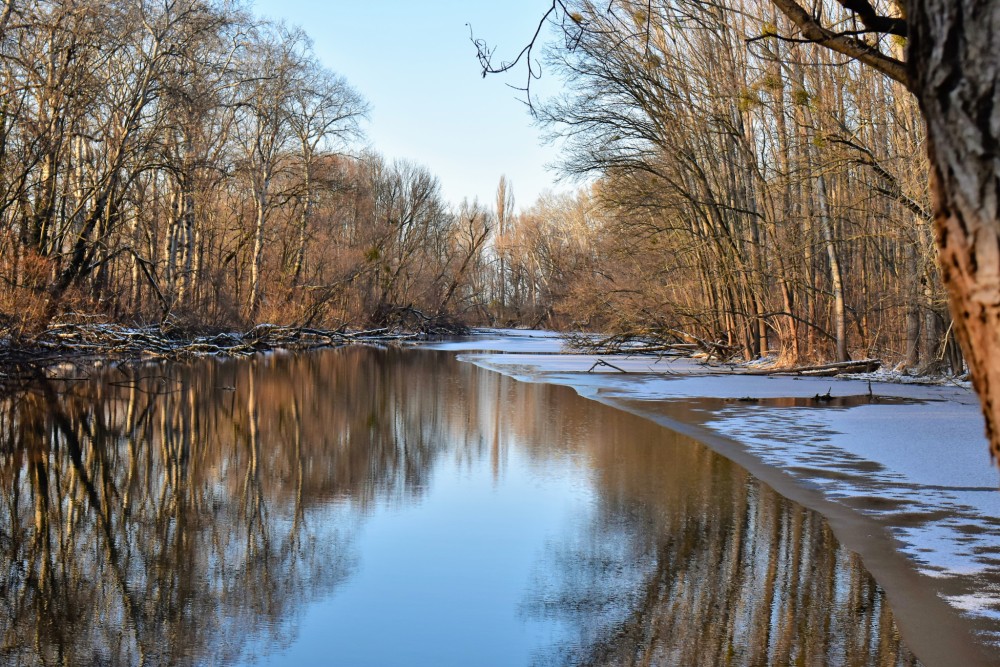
(368,507)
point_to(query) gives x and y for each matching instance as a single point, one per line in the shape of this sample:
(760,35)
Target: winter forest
(184,163)
(281,387)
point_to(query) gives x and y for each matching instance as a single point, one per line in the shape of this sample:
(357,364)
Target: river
(365,506)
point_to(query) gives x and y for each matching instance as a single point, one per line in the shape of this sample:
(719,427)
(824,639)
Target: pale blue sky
(415,64)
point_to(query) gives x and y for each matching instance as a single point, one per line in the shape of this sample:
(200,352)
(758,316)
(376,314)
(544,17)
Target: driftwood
(409,318)
(23,362)
(64,340)
(714,349)
(822,370)
(669,342)
(601,362)
(154,342)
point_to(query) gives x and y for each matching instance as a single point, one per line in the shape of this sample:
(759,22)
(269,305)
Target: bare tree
(951,68)
(272,71)
(325,112)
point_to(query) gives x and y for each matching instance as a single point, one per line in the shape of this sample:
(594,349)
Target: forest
(183,163)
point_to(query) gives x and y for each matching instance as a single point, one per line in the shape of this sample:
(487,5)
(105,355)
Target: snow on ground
(913,457)
(505,340)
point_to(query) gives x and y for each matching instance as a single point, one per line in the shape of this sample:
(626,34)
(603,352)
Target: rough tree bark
(954,65)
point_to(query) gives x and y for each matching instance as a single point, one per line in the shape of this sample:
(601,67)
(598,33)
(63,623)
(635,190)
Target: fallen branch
(822,370)
(601,362)
(645,343)
(75,339)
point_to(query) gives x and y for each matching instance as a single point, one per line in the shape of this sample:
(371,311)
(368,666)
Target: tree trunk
(791,351)
(257,261)
(186,242)
(955,72)
(836,275)
(305,216)
(913,297)
(170,248)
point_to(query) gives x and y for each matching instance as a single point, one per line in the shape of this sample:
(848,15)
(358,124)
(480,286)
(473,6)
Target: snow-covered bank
(911,458)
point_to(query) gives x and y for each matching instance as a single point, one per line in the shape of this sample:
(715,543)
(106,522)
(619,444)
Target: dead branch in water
(154,341)
(408,318)
(601,362)
(69,341)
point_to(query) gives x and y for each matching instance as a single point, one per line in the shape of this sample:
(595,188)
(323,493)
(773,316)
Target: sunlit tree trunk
(257,261)
(836,276)
(956,75)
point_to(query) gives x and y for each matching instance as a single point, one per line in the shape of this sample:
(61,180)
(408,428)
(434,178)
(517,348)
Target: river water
(362,506)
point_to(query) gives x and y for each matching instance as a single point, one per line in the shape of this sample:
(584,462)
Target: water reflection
(205,513)
(718,569)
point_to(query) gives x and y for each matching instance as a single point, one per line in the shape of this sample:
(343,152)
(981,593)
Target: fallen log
(822,370)
(641,343)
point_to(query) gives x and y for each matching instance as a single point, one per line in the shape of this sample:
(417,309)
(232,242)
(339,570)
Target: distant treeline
(750,189)
(184,161)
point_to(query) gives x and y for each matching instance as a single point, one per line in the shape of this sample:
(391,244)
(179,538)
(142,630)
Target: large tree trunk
(954,60)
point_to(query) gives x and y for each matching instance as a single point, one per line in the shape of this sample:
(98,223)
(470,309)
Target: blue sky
(415,64)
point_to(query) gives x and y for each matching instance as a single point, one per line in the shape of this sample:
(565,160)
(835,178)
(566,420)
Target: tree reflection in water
(181,514)
(185,514)
(691,561)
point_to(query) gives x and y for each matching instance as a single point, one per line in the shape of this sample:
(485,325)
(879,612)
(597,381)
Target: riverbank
(901,471)
(80,343)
